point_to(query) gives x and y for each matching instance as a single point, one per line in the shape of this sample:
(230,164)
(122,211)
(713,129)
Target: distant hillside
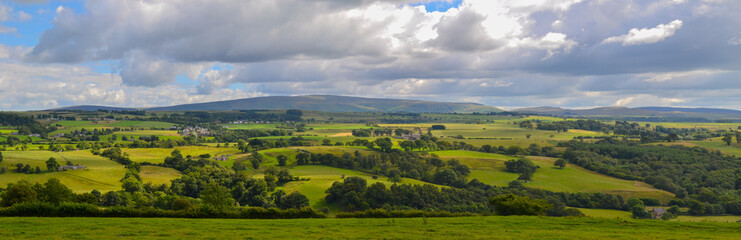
(325,103)
(94,108)
(329,103)
(693,110)
(654,113)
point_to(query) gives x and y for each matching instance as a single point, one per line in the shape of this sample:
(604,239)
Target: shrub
(511,204)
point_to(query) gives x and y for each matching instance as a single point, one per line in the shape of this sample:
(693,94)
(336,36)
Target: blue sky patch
(439,6)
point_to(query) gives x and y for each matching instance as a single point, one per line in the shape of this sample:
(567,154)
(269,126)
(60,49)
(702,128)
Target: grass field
(69,126)
(492,227)
(101,174)
(322,178)
(157,155)
(489,168)
(158,175)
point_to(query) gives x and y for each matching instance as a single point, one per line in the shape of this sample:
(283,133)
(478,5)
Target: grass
(510,227)
(69,126)
(158,175)
(158,155)
(322,178)
(489,168)
(101,174)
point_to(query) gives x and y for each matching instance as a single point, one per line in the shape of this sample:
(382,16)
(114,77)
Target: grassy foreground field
(493,227)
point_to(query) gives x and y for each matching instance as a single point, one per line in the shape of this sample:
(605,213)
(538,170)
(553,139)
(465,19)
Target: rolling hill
(325,103)
(655,113)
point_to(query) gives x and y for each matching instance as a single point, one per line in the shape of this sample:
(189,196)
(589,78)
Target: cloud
(647,35)
(504,53)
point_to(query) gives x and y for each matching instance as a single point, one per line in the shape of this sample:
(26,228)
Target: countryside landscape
(387,119)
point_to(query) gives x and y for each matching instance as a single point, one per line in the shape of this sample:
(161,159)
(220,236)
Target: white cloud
(647,35)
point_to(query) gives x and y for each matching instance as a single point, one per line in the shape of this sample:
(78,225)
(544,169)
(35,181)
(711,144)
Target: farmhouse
(412,137)
(223,158)
(75,167)
(657,213)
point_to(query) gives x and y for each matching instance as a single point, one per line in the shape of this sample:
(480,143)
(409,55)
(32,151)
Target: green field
(489,168)
(101,174)
(322,178)
(69,126)
(158,175)
(158,155)
(493,227)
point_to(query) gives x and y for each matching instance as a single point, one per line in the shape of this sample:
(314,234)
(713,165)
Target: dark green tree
(560,163)
(728,138)
(55,192)
(217,197)
(18,192)
(292,200)
(385,144)
(52,165)
(512,204)
(282,159)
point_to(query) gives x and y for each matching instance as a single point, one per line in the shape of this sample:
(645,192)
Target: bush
(511,204)
(383,213)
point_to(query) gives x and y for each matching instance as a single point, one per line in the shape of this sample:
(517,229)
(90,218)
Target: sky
(504,53)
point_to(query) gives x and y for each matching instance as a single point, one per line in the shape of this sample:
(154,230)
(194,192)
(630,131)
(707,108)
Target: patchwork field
(322,177)
(489,168)
(158,175)
(101,174)
(510,227)
(158,155)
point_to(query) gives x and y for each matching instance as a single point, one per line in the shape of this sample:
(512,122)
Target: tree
(1,157)
(131,184)
(217,197)
(560,163)
(512,204)
(303,158)
(19,192)
(728,138)
(738,140)
(181,204)
(52,164)
(282,159)
(255,163)
(384,144)
(292,200)
(407,145)
(326,142)
(55,192)
(696,207)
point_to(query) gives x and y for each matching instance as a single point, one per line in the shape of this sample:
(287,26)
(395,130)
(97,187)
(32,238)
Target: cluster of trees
(711,178)
(353,194)
(394,165)
(380,132)
(523,166)
(239,134)
(55,199)
(26,125)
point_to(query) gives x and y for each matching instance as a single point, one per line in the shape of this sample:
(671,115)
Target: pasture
(158,155)
(101,174)
(489,168)
(510,227)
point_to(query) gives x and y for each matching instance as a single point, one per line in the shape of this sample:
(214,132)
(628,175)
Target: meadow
(489,168)
(509,227)
(101,174)
(158,155)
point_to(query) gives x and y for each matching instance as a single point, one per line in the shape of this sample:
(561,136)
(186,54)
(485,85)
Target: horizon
(504,108)
(571,54)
